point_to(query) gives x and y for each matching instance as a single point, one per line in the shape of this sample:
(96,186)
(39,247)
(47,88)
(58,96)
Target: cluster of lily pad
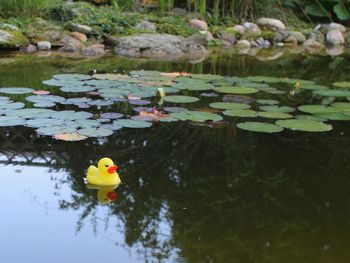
(156,96)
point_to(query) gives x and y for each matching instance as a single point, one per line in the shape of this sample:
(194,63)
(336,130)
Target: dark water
(189,193)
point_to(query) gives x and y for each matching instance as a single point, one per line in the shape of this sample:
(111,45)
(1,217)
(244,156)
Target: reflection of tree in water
(244,196)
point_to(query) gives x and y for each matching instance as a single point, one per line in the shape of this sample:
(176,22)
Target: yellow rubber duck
(105,194)
(104,174)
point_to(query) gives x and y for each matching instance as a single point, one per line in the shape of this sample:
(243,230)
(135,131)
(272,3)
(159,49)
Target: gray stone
(80,28)
(12,40)
(334,26)
(70,44)
(44,45)
(263,43)
(6,26)
(312,43)
(243,44)
(239,29)
(159,46)
(335,50)
(95,50)
(291,41)
(147,26)
(271,23)
(227,38)
(335,37)
(30,49)
(252,30)
(198,25)
(51,36)
(317,35)
(298,36)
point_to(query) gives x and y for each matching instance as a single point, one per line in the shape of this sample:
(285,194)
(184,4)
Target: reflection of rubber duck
(105,194)
(104,174)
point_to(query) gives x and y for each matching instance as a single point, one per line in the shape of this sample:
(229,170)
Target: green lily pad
(87,123)
(313,87)
(112,115)
(317,109)
(71,115)
(343,106)
(310,117)
(47,104)
(332,93)
(180,99)
(54,130)
(6,121)
(272,91)
(43,122)
(259,127)
(336,116)
(275,115)
(127,123)
(265,79)
(342,84)
(77,89)
(196,116)
(77,100)
(15,90)
(304,125)
(273,108)
(236,90)
(267,102)
(229,105)
(11,106)
(95,132)
(206,76)
(240,113)
(71,77)
(31,113)
(45,98)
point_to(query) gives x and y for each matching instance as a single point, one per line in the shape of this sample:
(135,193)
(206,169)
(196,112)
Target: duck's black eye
(106,165)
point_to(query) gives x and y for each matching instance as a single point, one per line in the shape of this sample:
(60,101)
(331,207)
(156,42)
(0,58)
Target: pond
(191,191)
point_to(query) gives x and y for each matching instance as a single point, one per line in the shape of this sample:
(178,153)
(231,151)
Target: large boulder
(271,23)
(227,37)
(335,38)
(80,28)
(94,50)
(12,40)
(297,35)
(334,26)
(199,25)
(252,30)
(159,46)
(44,45)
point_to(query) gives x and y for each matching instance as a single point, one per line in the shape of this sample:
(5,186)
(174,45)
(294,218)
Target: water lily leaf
(342,84)
(333,93)
(196,116)
(43,122)
(113,93)
(144,93)
(61,83)
(45,98)
(259,127)
(267,102)
(317,109)
(71,115)
(272,91)
(3,98)
(304,125)
(77,100)
(139,102)
(297,81)
(77,89)
(254,85)
(101,103)
(53,130)
(168,119)
(132,123)
(112,76)
(236,90)
(71,77)
(180,99)
(11,106)
(273,108)
(87,123)
(240,113)
(47,104)
(265,79)
(112,127)
(95,132)
(335,116)
(101,84)
(6,121)
(206,76)
(229,105)
(310,117)
(15,90)
(174,109)
(31,113)
(112,115)
(275,115)
(143,118)
(70,137)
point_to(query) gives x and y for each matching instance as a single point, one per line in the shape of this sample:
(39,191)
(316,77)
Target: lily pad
(317,109)
(240,113)
(43,122)
(313,87)
(71,115)
(180,99)
(6,121)
(112,127)
(229,105)
(127,123)
(336,116)
(196,116)
(31,113)
(267,102)
(310,117)
(95,132)
(77,89)
(333,93)
(47,104)
(71,77)
(112,115)
(54,130)
(11,106)
(70,137)
(342,84)
(304,125)
(273,108)
(259,127)
(101,103)
(15,90)
(235,90)
(275,115)
(265,79)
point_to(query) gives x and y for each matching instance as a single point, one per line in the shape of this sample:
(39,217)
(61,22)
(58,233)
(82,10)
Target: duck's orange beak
(112,196)
(112,169)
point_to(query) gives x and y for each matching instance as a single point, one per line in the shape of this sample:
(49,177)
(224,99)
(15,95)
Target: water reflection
(105,194)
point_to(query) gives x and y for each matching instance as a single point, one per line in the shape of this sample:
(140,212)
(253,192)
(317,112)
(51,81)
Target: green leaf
(317,109)
(196,116)
(267,102)
(341,11)
(132,123)
(316,10)
(304,125)
(259,127)
(241,113)
(236,90)
(15,90)
(180,99)
(274,108)
(275,115)
(54,130)
(229,105)
(333,93)
(95,132)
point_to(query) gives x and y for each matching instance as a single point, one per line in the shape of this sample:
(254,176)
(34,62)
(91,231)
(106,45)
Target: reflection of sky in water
(34,229)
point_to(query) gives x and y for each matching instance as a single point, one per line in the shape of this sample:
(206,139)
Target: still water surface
(189,193)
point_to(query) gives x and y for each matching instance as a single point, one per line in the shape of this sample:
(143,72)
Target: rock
(239,29)
(280,36)
(271,23)
(263,43)
(43,45)
(146,26)
(80,28)
(227,38)
(312,43)
(80,36)
(29,49)
(252,30)
(243,44)
(335,37)
(291,41)
(334,26)
(317,35)
(51,36)
(70,44)
(297,35)
(346,36)
(280,44)
(159,46)
(10,27)
(253,44)
(179,11)
(199,25)
(95,50)
(208,35)
(12,40)
(335,50)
